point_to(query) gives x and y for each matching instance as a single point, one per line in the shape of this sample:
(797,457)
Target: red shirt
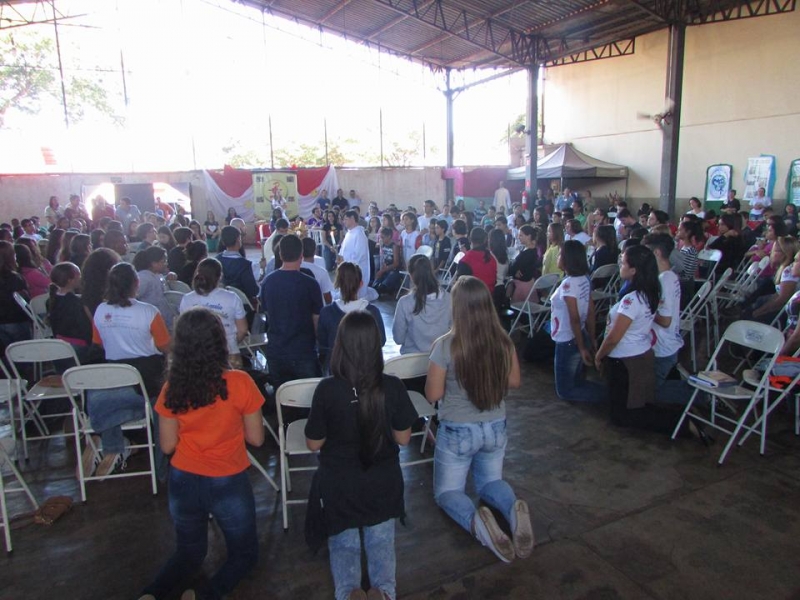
(485,271)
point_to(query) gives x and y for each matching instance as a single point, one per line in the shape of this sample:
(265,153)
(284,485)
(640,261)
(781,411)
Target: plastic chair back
(408,366)
(101,377)
(36,351)
(752,334)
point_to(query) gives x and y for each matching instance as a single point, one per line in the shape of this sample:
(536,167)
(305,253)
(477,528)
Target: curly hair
(198,361)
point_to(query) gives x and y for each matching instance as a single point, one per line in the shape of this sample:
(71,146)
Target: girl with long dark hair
(605,247)
(15,325)
(555,239)
(227,305)
(69,320)
(95,277)
(471,369)
(423,315)
(572,327)
(626,355)
(206,413)
(358,417)
(54,245)
(526,266)
(478,261)
(331,238)
(37,280)
(79,249)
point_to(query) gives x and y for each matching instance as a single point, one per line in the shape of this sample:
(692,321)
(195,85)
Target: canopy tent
(565,162)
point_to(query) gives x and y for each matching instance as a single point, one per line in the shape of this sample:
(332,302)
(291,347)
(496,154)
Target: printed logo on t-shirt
(566,286)
(107,317)
(627,302)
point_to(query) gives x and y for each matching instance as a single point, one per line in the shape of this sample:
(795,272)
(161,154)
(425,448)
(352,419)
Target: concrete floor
(617,514)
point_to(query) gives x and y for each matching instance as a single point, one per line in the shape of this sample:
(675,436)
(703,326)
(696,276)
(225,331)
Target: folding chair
(292,438)
(694,312)
(425,251)
(536,312)
(737,291)
(449,274)
(256,338)
(707,260)
(20,487)
(409,366)
(174,300)
(10,392)
(604,296)
(38,305)
(40,329)
(36,353)
(713,302)
(748,334)
(77,381)
(178,286)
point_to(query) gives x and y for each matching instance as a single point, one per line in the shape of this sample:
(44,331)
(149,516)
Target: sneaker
(113,462)
(357,594)
(523,530)
(488,533)
(376,594)
(90,460)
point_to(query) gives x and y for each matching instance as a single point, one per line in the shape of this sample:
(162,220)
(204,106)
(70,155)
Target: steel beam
(719,11)
(532,138)
(449,96)
(334,11)
(612,50)
(671,126)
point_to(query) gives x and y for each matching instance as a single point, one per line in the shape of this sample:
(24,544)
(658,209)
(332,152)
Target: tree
(521,120)
(28,80)
(244,158)
(313,154)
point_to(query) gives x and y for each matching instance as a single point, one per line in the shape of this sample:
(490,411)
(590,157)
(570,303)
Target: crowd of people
(106,276)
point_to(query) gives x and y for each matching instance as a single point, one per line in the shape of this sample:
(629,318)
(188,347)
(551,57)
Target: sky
(201,75)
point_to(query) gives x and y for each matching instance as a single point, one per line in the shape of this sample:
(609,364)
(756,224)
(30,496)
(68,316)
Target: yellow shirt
(550,261)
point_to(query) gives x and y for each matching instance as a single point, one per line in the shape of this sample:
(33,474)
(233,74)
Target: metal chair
(707,260)
(178,286)
(20,487)
(427,252)
(40,329)
(174,301)
(713,302)
(449,275)
(608,293)
(748,334)
(536,312)
(409,366)
(77,381)
(291,437)
(36,353)
(696,311)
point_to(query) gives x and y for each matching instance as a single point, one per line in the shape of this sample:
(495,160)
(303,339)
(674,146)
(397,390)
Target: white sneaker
(488,533)
(113,462)
(523,530)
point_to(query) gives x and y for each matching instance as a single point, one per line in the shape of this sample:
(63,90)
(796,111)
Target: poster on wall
(273,188)
(793,183)
(760,173)
(718,183)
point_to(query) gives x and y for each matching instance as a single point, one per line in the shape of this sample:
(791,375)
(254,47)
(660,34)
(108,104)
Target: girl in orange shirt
(206,414)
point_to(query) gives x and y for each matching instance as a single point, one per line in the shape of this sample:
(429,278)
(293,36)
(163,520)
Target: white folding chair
(692,314)
(425,251)
(409,366)
(174,300)
(20,487)
(748,334)
(178,286)
(713,301)
(36,353)
(535,311)
(707,260)
(604,296)
(79,380)
(292,437)
(737,291)
(448,272)
(10,393)
(40,329)
(38,305)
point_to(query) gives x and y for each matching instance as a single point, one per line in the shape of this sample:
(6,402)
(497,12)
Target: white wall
(741,98)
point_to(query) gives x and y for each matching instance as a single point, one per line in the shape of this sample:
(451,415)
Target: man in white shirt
(667,321)
(574,231)
(355,247)
(757,205)
(423,220)
(281,228)
(502,197)
(320,274)
(30,230)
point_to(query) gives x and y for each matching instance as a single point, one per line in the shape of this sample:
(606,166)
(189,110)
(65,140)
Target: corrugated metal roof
(493,33)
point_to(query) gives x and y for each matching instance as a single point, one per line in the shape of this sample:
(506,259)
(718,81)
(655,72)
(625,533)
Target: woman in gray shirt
(471,368)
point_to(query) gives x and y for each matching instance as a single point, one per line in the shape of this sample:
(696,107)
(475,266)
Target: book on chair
(714,379)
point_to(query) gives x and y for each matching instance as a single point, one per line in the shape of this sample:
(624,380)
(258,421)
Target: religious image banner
(760,173)
(271,188)
(718,184)
(793,183)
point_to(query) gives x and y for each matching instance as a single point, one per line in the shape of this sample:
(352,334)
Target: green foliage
(29,80)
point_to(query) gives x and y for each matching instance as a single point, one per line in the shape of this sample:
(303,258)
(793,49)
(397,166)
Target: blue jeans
(670,391)
(191,499)
(330,258)
(571,383)
(477,446)
(345,553)
(109,409)
(389,282)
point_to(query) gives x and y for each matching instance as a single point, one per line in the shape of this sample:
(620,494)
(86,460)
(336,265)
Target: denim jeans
(389,282)
(345,553)
(109,409)
(670,391)
(191,499)
(477,446)
(571,383)
(330,258)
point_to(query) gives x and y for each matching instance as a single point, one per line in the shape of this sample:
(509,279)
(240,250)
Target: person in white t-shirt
(572,327)
(130,332)
(667,327)
(409,236)
(626,354)
(225,304)
(319,271)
